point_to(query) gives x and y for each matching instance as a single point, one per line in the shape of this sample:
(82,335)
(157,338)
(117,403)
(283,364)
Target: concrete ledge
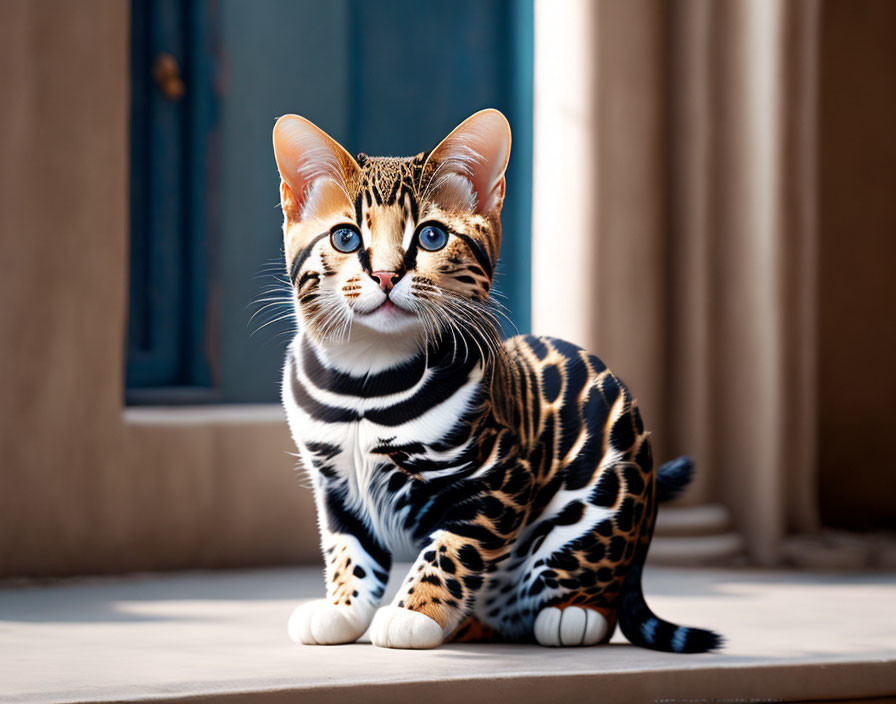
(792,636)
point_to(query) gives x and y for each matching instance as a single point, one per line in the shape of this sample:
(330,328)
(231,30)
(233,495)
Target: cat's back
(573,406)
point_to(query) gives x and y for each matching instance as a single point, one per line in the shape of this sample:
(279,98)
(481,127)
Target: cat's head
(396,245)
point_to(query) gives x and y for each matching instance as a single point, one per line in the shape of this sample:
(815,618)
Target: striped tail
(645,629)
(673,477)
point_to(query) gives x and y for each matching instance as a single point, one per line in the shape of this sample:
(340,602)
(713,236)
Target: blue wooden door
(386,77)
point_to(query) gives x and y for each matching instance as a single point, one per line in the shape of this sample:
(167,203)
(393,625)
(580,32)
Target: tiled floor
(791,636)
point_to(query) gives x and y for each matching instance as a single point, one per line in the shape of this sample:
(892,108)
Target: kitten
(517,475)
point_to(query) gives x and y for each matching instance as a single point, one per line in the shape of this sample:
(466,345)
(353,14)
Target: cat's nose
(386,279)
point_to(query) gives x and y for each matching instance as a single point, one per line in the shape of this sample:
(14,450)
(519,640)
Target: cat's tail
(673,477)
(645,629)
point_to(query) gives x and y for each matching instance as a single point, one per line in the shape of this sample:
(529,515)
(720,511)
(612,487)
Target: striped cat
(516,475)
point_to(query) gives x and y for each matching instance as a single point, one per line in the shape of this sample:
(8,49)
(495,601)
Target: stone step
(705,519)
(696,549)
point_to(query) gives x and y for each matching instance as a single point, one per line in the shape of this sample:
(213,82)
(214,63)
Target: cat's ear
(314,170)
(469,164)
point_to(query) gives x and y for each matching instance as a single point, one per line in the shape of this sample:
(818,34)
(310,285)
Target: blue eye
(345,239)
(432,237)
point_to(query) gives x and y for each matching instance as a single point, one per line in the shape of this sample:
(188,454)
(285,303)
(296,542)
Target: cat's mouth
(387,308)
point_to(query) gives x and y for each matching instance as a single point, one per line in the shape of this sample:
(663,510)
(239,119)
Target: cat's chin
(388,318)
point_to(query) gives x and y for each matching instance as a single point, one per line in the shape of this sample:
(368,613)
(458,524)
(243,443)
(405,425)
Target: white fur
(569,627)
(322,623)
(394,627)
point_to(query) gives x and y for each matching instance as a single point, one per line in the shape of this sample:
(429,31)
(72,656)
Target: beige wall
(83,488)
(857,365)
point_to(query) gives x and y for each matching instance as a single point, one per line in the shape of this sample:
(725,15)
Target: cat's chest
(348,441)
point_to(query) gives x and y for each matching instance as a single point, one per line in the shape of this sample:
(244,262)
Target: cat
(517,474)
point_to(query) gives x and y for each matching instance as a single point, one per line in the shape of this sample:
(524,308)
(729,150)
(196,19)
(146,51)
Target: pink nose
(387,279)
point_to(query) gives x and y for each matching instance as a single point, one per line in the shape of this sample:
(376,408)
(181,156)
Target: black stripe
(364,258)
(317,410)
(415,209)
(359,208)
(392,381)
(478,252)
(307,276)
(303,255)
(341,520)
(441,385)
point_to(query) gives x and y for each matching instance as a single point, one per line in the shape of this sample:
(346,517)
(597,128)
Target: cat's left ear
(314,170)
(468,165)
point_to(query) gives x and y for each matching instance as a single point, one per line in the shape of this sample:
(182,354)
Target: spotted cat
(517,475)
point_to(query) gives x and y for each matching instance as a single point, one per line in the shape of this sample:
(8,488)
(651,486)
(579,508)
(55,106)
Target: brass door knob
(166,72)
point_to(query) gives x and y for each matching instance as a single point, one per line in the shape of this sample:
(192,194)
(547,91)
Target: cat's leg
(357,569)
(437,595)
(574,584)
(448,576)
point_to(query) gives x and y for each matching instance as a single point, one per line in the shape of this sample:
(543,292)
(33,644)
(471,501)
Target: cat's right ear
(315,170)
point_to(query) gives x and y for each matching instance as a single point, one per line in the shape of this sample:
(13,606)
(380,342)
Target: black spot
(610,389)
(607,490)
(470,558)
(623,434)
(596,552)
(492,506)
(453,586)
(359,572)
(447,564)
(432,579)
(624,515)
(430,556)
(644,459)
(508,521)
(396,481)
(538,347)
(517,481)
(634,482)
(604,528)
(617,547)
(551,383)
(571,513)
(563,561)
(473,581)
(604,574)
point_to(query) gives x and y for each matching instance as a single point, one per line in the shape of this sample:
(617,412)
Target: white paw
(321,623)
(394,627)
(570,626)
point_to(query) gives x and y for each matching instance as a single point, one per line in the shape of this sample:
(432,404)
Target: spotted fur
(516,475)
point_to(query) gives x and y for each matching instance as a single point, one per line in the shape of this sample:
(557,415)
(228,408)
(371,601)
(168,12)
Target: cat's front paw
(394,627)
(321,623)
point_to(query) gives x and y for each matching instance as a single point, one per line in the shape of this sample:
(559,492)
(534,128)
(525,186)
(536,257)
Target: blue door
(209,78)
